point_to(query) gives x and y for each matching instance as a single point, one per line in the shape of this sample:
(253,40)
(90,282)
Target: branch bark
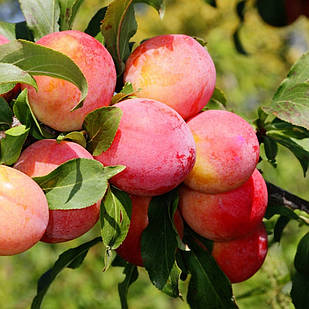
(283,197)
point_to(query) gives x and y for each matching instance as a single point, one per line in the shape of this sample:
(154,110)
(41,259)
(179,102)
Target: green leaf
(211,2)
(94,25)
(101,126)
(299,292)
(6,115)
(281,223)
(6,87)
(288,129)
(76,184)
(7,30)
(115,220)
(271,150)
(299,152)
(301,261)
(159,5)
(10,73)
(118,26)
(39,60)
(75,136)
(126,91)
(68,11)
(41,16)
(23,32)
(275,209)
(159,239)
(24,113)
(12,143)
(217,101)
(66,259)
(208,286)
(291,101)
(171,287)
(131,275)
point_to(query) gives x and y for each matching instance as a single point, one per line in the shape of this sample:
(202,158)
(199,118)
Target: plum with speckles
(23,211)
(228,215)
(39,159)
(174,69)
(156,146)
(227,151)
(53,102)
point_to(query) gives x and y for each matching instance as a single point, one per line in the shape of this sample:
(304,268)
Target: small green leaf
(10,73)
(171,287)
(24,113)
(301,261)
(217,101)
(131,275)
(68,11)
(281,223)
(101,126)
(39,60)
(288,129)
(299,292)
(94,25)
(75,184)
(159,5)
(211,2)
(41,16)
(6,115)
(4,88)
(7,30)
(275,209)
(66,259)
(271,150)
(12,143)
(208,286)
(23,32)
(75,136)
(159,239)
(126,91)
(115,220)
(299,152)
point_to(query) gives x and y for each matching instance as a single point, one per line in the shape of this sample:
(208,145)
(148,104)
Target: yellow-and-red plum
(227,151)
(174,69)
(23,211)
(55,99)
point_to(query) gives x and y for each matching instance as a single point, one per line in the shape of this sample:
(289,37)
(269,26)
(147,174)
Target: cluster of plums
(163,139)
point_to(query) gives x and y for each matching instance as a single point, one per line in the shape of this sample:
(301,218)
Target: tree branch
(278,195)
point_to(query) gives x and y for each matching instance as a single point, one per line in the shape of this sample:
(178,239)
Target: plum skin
(174,69)
(23,211)
(55,99)
(156,146)
(39,159)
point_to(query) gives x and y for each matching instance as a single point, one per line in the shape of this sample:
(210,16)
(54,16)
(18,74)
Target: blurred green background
(248,81)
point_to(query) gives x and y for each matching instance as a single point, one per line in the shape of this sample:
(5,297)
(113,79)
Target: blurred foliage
(247,81)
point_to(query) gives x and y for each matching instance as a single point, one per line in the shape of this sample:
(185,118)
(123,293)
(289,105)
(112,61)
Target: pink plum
(39,159)
(23,211)
(174,69)
(227,151)
(156,146)
(53,102)
(241,258)
(228,215)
